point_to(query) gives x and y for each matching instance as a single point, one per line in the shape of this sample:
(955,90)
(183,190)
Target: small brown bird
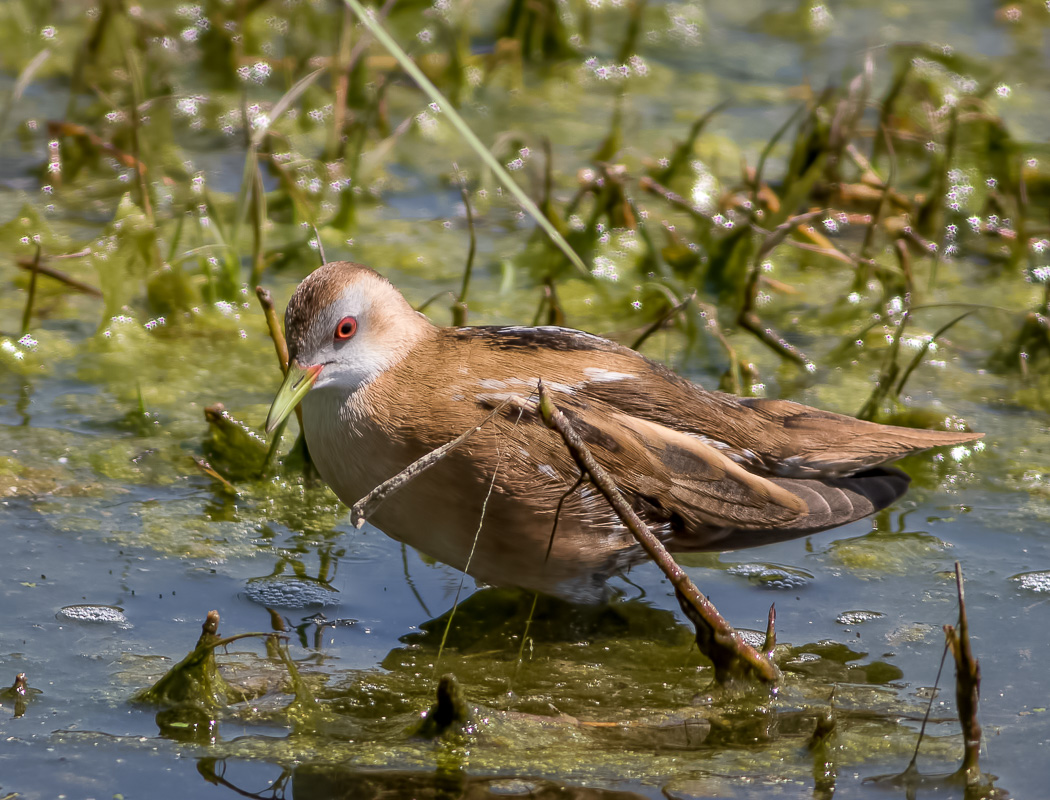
(381,386)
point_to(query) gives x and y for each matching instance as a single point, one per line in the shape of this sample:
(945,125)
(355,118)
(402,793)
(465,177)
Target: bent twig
(733,658)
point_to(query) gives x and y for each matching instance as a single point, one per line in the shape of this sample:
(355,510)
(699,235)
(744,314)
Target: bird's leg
(557,513)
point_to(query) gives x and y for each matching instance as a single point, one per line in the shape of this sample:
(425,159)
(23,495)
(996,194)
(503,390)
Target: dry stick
(731,655)
(967,686)
(258,200)
(912,765)
(832,252)
(477,536)
(211,472)
(273,323)
(34,268)
(880,209)
(281,347)
(672,311)
(751,322)
(647,184)
(557,511)
(780,232)
(459,307)
(367,505)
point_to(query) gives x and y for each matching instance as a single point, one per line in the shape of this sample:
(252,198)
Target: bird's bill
(297,382)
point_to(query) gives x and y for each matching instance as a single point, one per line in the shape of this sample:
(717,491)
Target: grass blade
(409,66)
(24,79)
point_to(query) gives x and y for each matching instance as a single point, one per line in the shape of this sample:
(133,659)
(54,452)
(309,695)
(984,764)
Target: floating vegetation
(1033,581)
(286,591)
(858,617)
(102,615)
(772,576)
(18,695)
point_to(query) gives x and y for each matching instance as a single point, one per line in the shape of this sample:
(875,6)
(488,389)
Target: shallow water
(101,414)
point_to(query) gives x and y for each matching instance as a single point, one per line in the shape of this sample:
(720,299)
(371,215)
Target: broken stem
(672,311)
(366,506)
(60,276)
(967,685)
(273,324)
(34,270)
(280,345)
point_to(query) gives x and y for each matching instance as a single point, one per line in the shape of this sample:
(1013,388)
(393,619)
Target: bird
(381,386)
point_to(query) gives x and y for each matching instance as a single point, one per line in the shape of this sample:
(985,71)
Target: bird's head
(345,325)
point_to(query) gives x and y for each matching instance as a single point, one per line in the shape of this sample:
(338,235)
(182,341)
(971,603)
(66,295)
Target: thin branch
(367,505)
(731,655)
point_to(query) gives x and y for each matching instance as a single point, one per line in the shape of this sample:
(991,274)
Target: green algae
(195,680)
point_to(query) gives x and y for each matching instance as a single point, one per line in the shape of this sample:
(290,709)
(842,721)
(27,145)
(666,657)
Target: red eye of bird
(346,328)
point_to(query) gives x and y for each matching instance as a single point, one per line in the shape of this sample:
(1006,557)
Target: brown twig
(733,658)
(60,276)
(459,307)
(273,323)
(751,322)
(280,345)
(258,201)
(34,270)
(672,311)
(967,685)
(366,506)
(211,472)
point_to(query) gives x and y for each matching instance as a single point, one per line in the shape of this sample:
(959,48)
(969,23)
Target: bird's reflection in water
(336,782)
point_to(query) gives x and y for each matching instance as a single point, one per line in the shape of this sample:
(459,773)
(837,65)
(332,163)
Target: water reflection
(540,704)
(333,782)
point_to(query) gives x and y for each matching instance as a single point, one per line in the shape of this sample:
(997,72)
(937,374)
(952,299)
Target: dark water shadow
(333,782)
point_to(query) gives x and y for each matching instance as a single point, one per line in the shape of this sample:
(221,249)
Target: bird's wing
(777,437)
(681,475)
(709,500)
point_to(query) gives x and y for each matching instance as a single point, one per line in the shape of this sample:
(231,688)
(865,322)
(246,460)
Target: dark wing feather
(713,502)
